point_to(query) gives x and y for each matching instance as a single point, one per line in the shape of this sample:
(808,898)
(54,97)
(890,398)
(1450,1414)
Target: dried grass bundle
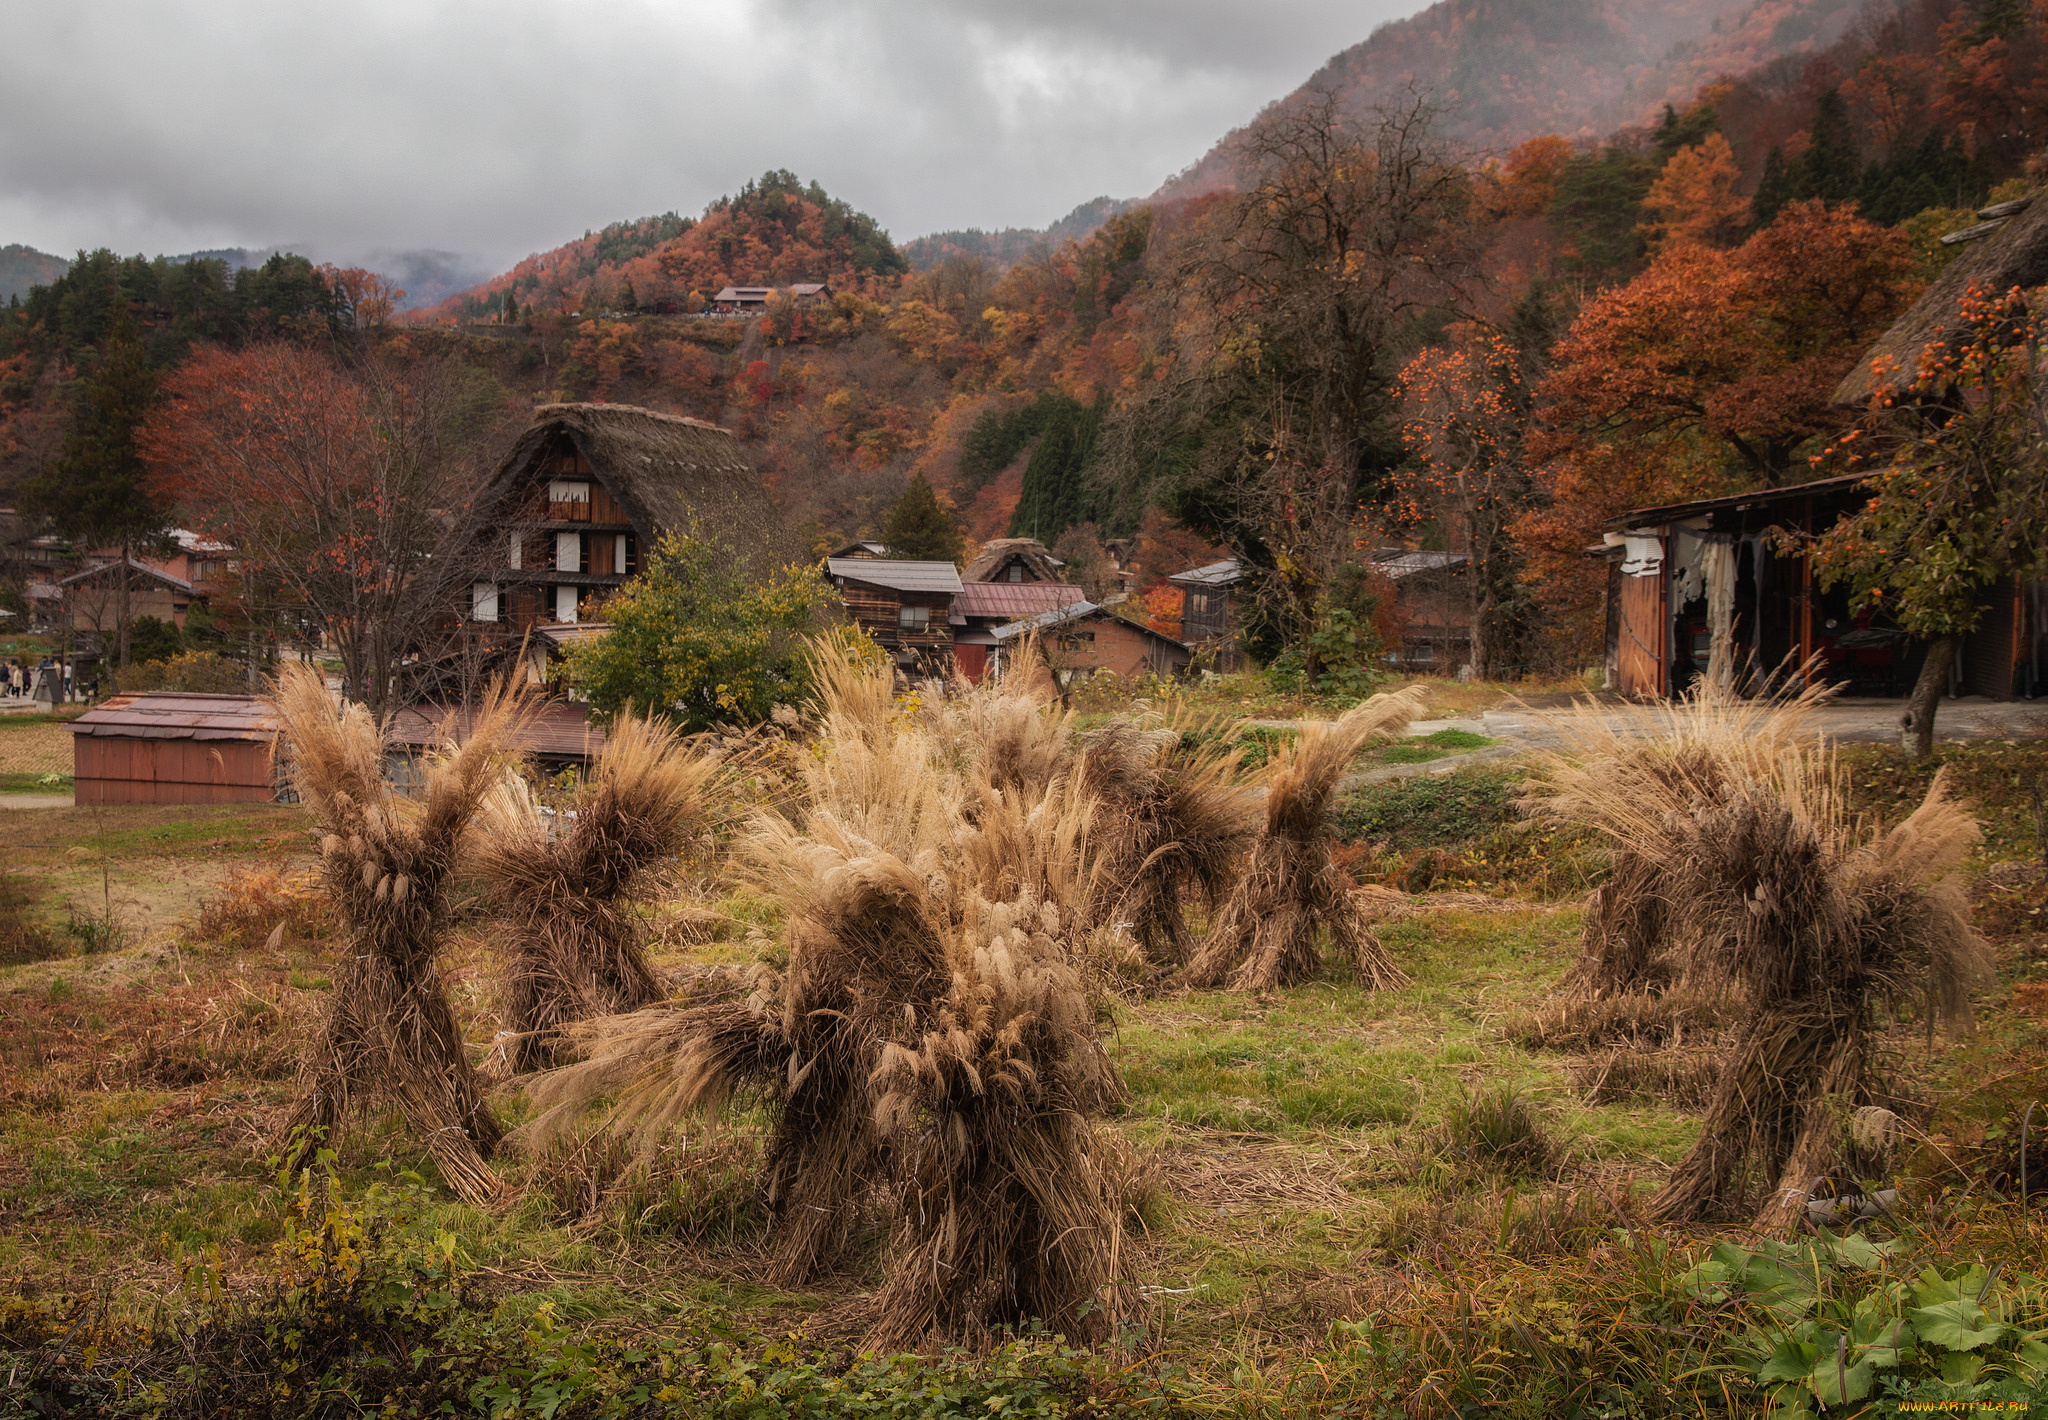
(1266,934)
(930,1043)
(386,863)
(1658,759)
(1172,817)
(574,943)
(1817,921)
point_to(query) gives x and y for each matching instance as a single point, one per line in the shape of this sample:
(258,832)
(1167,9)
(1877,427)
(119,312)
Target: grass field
(1326,1217)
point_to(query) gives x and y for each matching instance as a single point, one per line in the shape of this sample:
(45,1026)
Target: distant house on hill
(753,300)
(1012,559)
(589,489)
(741,300)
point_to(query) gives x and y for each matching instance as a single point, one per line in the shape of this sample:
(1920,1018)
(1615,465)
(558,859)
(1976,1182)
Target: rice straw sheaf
(930,1043)
(1659,759)
(1818,922)
(386,864)
(1266,934)
(1171,818)
(572,938)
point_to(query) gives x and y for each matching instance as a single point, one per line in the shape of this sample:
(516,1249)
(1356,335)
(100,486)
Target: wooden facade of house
(590,489)
(164,748)
(1205,622)
(1697,587)
(1083,639)
(1434,606)
(907,607)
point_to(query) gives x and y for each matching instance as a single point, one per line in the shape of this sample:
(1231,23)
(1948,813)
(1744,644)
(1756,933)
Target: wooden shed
(160,747)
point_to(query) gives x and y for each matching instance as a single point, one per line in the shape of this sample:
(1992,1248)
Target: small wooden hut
(159,747)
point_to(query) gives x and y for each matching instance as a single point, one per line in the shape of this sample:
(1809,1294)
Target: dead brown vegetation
(1266,934)
(386,866)
(1781,895)
(931,1044)
(568,890)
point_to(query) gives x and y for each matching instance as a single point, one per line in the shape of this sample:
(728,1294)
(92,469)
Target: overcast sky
(508,126)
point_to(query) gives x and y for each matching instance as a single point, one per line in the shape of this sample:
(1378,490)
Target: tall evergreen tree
(919,527)
(1832,170)
(95,493)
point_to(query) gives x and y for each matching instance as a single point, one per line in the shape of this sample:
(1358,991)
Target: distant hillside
(775,231)
(1013,244)
(22,267)
(1506,71)
(426,277)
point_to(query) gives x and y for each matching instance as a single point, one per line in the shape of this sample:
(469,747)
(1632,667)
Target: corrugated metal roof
(1407,564)
(143,567)
(573,633)
(1214,574)
(1067,615)
(556,731)
(168,715)
(895,575)
(1011,600)
(1761,497)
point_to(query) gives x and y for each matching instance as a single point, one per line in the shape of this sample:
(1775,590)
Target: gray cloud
(506,127)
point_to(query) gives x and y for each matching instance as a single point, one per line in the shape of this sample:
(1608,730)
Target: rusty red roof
(178,715)
(1012,601)
(556,731)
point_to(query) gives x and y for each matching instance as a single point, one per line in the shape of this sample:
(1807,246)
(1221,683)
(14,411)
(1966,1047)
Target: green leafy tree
(921,528)
(694,639)
(96,493)
(1959,491)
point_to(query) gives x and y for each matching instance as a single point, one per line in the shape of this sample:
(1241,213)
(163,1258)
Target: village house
(1083,639)
(1012,559)
(589,490)
(1434,607)
(1704,588)
(1694,588)
(94,596)
(753,300)
(1205,623)
(982,608)
(907,607)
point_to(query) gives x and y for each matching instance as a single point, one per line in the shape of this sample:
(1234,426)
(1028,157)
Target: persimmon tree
(353,491)
(1708,373)
(1957,470)
(1466,408)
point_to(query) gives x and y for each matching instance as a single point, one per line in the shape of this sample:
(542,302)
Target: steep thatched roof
(989,561)
(663,470)
(2012,252)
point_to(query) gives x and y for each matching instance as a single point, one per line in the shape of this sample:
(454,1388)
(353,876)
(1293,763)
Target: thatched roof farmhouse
(2008,247)
(590,488)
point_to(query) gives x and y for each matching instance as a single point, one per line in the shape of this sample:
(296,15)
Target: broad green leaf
(2032,1361)
(1960,1367)
(1838,1384)
(1959,1325)
(1791,1361)
(1879,1339)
